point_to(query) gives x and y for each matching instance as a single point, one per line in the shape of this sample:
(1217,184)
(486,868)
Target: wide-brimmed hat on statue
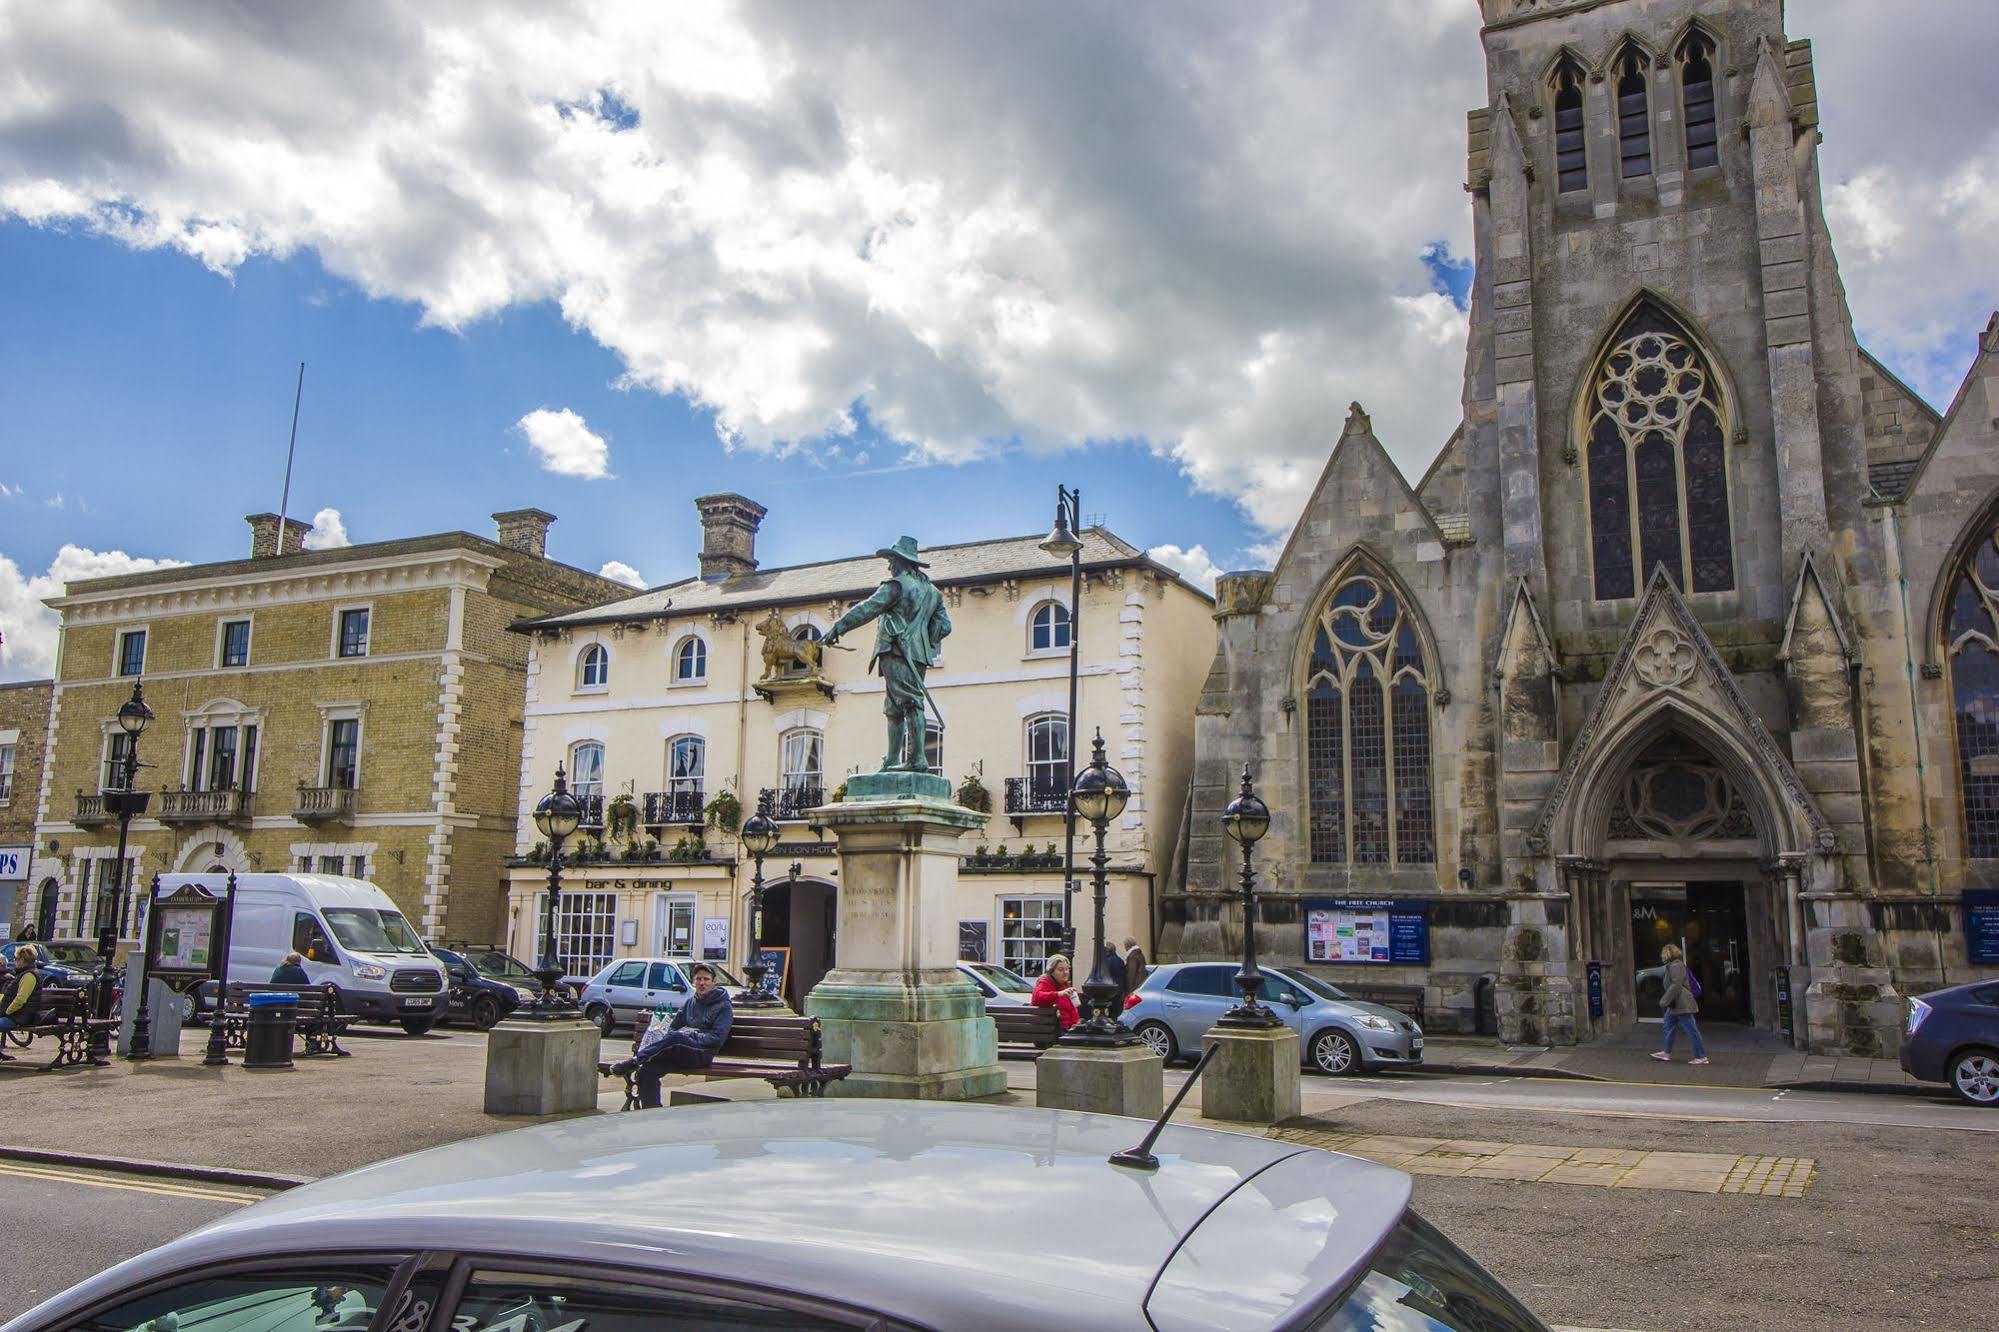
(905,549)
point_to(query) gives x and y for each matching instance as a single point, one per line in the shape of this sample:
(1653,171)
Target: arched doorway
(45,913)
(800,914)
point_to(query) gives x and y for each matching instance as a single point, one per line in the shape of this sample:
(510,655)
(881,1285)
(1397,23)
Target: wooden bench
(781,1048)
(1402,998)
(1024,1031)
(318,1019)
(64,1016)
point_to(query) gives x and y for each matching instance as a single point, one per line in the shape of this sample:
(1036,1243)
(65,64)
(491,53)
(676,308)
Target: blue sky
(915,267)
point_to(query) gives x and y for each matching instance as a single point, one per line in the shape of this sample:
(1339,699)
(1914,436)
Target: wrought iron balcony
(796,800)
(90,811)
(593,811)
(323,804)
(1036,795)
(680,807)
(223,806)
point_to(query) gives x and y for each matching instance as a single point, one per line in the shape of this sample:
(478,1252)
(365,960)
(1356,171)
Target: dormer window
(1571,150)
(1697,101)
(1634,116)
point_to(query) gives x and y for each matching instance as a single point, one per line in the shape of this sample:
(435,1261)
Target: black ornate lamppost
(1063,543)
(1099,795)
(557,816)
(127,804)
(759,837)
(1246,820)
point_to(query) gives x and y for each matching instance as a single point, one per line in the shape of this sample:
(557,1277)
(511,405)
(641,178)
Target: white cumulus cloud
(566,444)
(1193,564)
(27,627)
(328,531)
(620,572)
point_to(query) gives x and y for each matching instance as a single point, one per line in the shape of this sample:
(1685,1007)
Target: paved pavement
(1741,1057)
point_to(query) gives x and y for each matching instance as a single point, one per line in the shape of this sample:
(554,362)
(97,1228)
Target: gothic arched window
(1973,642)
(1697,100)
(1658,469)
(1571,149)
(1634,115)
(1367,733)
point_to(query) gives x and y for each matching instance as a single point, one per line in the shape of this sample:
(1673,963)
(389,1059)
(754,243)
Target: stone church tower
(1687,634)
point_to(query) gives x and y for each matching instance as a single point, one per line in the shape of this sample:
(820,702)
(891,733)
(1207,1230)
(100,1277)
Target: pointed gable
(1362,499)
(1667,674)
(1525,672)
(1818,655)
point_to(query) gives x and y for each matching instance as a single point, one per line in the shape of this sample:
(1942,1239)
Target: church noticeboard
(1981,925)
(184,930)
(1383,931)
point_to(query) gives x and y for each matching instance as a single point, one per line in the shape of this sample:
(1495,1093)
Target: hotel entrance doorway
(1710,922)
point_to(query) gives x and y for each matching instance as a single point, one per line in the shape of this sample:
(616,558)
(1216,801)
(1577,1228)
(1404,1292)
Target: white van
(349,932)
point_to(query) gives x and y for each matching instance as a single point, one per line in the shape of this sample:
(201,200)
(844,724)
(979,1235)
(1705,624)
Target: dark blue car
(1953,1036)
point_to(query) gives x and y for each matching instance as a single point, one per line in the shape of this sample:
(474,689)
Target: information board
(1981,925)
(972,940)
(1374,930)
(715,938)
(1596,989)
(184,932)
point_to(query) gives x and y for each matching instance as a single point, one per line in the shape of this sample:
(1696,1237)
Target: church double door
(1710,923)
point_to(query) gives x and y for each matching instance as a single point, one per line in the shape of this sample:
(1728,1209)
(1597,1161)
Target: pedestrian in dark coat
(291,971)
(1134,966)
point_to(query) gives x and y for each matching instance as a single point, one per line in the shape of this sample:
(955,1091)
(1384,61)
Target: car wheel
(1974,1076)
(485,1012)
(1158,1038)
(186,1009)
(416,1026)
(601,1015)
(1333,1053)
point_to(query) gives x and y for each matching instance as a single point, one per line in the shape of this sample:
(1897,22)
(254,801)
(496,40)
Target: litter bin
(267,1030)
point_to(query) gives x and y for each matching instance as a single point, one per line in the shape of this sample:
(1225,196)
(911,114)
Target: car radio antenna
(1141,1157)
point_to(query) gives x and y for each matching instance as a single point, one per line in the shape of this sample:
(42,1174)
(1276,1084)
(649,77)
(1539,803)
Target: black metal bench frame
(318,1022)
(66,1017)
(783,1049)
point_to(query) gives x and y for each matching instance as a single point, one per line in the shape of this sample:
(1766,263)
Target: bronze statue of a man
(913,627)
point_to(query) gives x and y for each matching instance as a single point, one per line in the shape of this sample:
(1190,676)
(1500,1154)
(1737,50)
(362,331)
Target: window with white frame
(586,927)
(233,649)
(132,652)
(1049,628)
(686,762)
(343,753)
(1048,757)
(351,635)
(332,864)
(802,760)
(117,749)
(6,772)
(1030,932)
(222,757)
(593,669)
(933,748)
(586,780)
(690,661)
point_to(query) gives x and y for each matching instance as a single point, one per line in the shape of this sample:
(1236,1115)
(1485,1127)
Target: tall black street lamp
(1099,795)
(127,804)
(1246,820)
(557,816)
(1063,543)
(759,838)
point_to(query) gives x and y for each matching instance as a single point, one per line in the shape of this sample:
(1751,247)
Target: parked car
(356,944)
(998,984)
(1179,1001)
(477,999)
(628,989)
(1953,1036)
(837,1214)
(69,962)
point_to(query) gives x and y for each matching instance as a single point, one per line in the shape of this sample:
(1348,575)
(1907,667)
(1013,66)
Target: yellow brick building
(663,707)
(355,711)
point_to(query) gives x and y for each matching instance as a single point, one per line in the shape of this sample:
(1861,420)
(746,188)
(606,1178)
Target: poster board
(1981,925)
(715,938)
(777,969)
(973,940)
(1373,931)
(185,933)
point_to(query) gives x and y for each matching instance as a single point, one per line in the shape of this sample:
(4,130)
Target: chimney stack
(525,530)
(728,535)
(267,541)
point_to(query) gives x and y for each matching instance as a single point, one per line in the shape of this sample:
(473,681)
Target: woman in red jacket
(1054,989)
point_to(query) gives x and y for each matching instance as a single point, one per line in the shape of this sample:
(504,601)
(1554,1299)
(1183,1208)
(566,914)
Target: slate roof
(966,563)
(1890,479)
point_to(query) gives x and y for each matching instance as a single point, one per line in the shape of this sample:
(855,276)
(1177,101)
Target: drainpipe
(1922,771)
(746,801)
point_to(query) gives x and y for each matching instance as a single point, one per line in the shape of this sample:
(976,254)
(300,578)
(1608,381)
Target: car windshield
(1002,979)
(499,966)
(1316,986)
(73,954)
(1418,1281)
(365,930)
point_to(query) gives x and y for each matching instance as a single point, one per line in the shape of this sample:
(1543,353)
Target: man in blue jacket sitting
(692,1039)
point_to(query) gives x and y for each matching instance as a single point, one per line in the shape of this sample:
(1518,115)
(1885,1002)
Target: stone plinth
(541,1068)
(895,1007)
(1113,1080)
(1253,1077)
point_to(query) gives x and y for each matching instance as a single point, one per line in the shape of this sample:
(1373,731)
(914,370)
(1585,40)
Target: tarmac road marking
(160,1187)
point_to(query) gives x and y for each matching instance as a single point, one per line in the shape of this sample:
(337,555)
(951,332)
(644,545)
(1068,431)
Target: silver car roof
(941,1214)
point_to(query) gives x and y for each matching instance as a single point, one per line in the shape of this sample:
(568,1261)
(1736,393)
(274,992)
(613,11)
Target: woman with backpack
(1679,1002)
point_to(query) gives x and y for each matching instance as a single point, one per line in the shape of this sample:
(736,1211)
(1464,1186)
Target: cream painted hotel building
(668,707)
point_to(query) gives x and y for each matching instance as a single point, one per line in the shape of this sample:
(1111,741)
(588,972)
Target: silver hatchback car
(816,1214)
(623,992)
(1178,1002)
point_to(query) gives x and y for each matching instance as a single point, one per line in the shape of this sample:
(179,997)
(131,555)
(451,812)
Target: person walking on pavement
(1679,1003)
(694,1037)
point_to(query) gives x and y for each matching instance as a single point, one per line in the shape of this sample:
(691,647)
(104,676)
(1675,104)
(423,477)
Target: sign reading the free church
(1981,925)
(1385,931)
